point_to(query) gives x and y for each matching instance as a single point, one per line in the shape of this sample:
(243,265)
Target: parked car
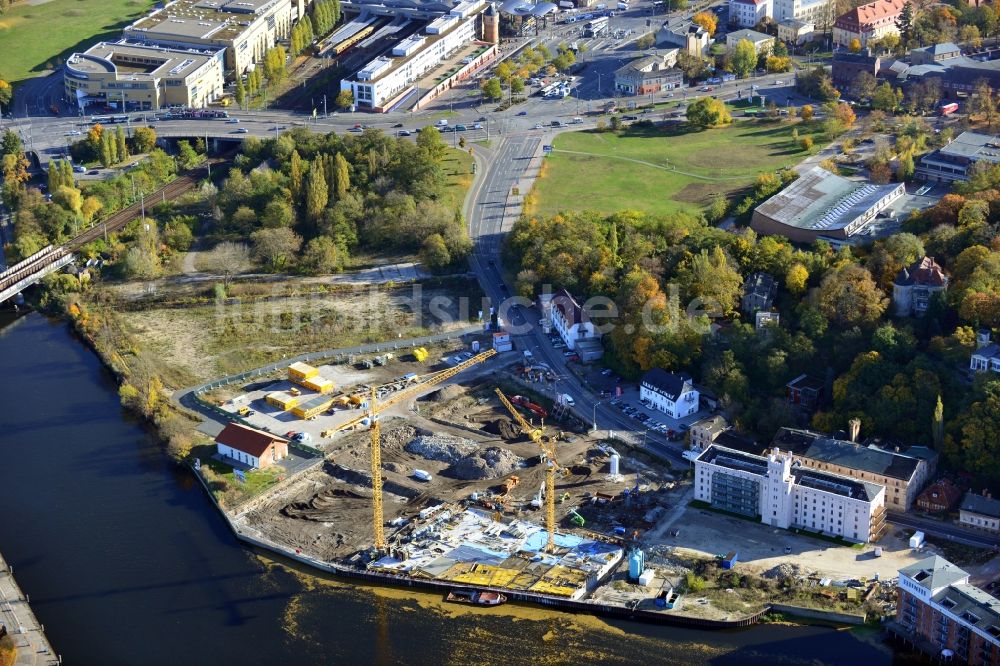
(233,121)
(522,113)
(403,133)
(574,358)
(398,125)
(242,130)
(80,169)
(93,172)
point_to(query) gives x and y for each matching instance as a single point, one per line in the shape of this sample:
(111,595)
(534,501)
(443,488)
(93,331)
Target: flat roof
(202,19)
(114,57)
(737,460)
(974,146)
(815,446)
(746,33)
(396,62)
(821,201)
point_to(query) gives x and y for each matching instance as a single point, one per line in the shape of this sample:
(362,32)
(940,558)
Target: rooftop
(247,439)
(202,19)
(944,48)
(711,424)
(762,284)
(934,573)
(746,33)
(873,11)
(820,200)
(139,60)
(571,311)
(732,459)
(805,382)
(974,146)
(975,606)
(924,272)
(670,384)
(991,350)
(984,506)
(819,447)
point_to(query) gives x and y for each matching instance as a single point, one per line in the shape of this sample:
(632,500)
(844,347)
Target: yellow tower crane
(371,414)
(549,453)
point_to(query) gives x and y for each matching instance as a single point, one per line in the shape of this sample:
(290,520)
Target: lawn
(33,37)
(223,483)
(660,170)
(457,166)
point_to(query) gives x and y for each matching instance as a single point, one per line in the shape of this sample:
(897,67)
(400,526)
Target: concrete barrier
(816,614)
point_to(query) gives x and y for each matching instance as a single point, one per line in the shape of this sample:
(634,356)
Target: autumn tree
(796,279)
(707,20)
(708,112)
(711,279)
(434,254)
(275,248)
(744,58)
(317,193)
(143,139)
(849,297)
(228,259)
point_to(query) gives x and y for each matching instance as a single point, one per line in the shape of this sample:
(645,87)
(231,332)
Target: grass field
(663,171)
(34,36)
(457,168)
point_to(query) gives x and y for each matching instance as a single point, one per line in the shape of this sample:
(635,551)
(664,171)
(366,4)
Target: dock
(33,648)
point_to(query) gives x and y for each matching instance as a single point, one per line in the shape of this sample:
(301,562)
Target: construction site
(450,476)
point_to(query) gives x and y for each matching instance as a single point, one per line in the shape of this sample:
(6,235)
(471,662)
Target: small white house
(748,13)
(571,321)
(669,392)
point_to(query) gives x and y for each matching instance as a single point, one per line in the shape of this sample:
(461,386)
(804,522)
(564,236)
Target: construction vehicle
(510,484)
(370,419)
(537,410)
(576,518)
(549,459)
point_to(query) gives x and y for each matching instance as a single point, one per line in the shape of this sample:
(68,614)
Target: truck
(948,109)
(443,122)
(421,475)
(521,401)
(623,6)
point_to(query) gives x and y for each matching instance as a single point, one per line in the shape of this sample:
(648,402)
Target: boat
(476,597)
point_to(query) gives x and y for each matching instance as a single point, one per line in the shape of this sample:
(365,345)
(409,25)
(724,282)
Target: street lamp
(594,418)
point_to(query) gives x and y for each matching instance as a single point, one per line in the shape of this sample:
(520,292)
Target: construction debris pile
(784,571)
(467,461)
(505,428)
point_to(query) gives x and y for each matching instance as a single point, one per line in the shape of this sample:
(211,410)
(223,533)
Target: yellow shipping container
(319,384)
(299,371)
(313,407)
(281,400)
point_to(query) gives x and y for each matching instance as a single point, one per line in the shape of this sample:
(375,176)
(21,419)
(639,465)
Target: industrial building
(903,475)
(786,494)
(938,610)
(255,448)
(246,29)
(954,162)
(821,205)
(144,77)
(388,77)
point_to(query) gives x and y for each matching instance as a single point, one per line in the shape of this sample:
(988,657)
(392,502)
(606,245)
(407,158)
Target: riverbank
(24,633)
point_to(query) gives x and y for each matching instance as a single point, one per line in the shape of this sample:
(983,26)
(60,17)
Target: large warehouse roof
(821,201)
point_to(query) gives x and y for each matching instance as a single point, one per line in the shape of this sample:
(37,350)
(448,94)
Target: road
(945,530)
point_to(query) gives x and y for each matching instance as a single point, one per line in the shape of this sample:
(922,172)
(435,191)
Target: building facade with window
(980,511)
(748,13)
(669,392)
(868,22)
(255,448)
(786,494)
(936,604)
(571,320)
(915,285)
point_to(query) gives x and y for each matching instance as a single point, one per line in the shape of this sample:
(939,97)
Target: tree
(864,85)
(345,99)
(186,155)
(429,141)
(70,199)
(6,94)
(121,147)
(807,112)
(712,279)
(969,34)
(91,206)
(274,64)
(109,149)
(516,85)
(937,424)
(884,98)
(647,40)
(879,172)
(434,253)
(275,248)
(744,58)
(11,143)
(843,114)
(277,213)
(177,234)
(707,112)
(241,92)
(228,259)
(855,45)
(806,143)
(984,102)
(797,279)
(780,49)
(707,20)
(849,297)
(317,192)
(322,256)
(492,89)
(692,66)
(341,176)
(143,139)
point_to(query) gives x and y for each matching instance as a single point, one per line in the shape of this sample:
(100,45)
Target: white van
(442,123)
(568,399)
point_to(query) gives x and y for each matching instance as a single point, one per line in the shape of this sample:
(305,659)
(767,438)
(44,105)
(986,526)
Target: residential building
(759,291)
(936,605)
(805,392)
(255,448)
(868,22)
(574,326)
(704,432)
(785,494)
(819,12)
(748,13)
(902,475)
(796,31)
(246,29)
(821,205)
(650,74)
(915,285)
(143,77)
(669,392)
(389,77)
(953,162)
(762,42)
(980,511)
(986,359)
(689,37)
(939,497)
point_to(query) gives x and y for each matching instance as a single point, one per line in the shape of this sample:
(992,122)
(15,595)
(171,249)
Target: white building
(980,511)
(819,12)
(986,358)
(669,392)
(789,496)
(571,321)
(762,43)
(379,83)
(748,13)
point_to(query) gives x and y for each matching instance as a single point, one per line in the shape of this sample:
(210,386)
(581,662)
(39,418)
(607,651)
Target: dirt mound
(492,463)
(504,427)
(396,467)
(445,393)
(322,505)
(443,448)
(396,438)
(782,571)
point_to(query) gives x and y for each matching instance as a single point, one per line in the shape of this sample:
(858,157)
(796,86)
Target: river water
(127,562)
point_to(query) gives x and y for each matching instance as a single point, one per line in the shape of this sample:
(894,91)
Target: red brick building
(939,497)
(939,611)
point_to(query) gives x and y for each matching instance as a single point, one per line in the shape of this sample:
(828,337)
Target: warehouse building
(789,495)
(246,29)
(821,205)
(143,77)
(385,79)
(955,161)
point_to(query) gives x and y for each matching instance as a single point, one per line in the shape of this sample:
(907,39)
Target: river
(126,561)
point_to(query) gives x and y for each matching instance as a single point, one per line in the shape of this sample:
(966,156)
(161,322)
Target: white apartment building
(385,78)
(818,12)
(571,321)
(669,392)
(789,496)
(748,13)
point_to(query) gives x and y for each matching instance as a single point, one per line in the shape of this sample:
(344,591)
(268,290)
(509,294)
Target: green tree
(275,248)
(11,143)
(143,139)
(296,176)
(121,147)
(707,112)
(905,24)
(345,98)
(492,89)
(884,98)
(186,155)
(177,235)
(434,253)
(848,297)
(744,58)
(277,213)
(241,92)
(322,256)
(317,193)
(341,176)
(429,141)
(712,279)
(517,85)
(984,102)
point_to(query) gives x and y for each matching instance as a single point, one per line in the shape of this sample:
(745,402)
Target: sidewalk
(32,646)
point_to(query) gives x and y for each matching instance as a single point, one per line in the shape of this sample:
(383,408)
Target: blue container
(636,564)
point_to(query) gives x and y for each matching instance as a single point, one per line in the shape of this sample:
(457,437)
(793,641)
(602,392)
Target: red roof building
(252,447)
(868,22)
(939,497)
(915,285)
